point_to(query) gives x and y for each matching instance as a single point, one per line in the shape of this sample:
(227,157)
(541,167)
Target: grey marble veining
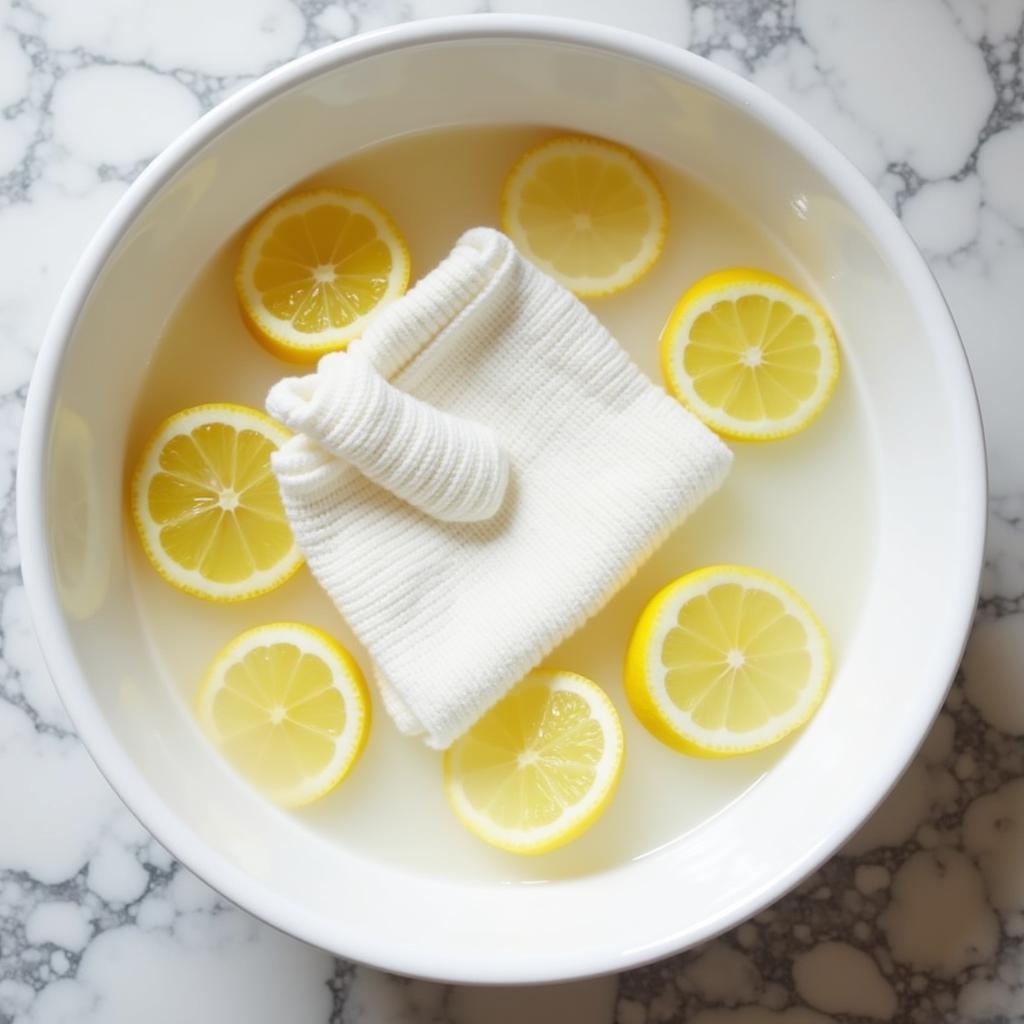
(920,918)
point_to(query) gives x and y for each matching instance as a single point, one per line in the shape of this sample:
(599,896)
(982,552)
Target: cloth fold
(446,466)
(600,465)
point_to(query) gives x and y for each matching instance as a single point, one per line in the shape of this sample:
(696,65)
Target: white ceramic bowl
(904,362)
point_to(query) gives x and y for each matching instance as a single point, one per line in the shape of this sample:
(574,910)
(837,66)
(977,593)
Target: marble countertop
(921,916)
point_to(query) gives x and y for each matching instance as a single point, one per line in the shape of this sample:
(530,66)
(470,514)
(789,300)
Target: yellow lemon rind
(145,467)
(272,332)
(533,156)
(358,706)
(650,709)
(552,837)
(739,281)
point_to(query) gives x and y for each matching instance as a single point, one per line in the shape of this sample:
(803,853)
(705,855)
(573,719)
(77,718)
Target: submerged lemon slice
(750,355)
(726,660)
(314,268)
(288,706)
(587,212)
(207,506)
(540,767)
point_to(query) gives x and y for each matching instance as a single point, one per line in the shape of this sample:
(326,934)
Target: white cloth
(602,466)
(449,467)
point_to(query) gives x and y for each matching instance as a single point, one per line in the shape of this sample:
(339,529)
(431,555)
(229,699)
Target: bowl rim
(49,621)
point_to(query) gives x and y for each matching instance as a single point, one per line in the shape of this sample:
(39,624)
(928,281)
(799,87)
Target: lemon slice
(587,212)
(726,660)
(288,706)
(315,267)
(540,767)
(750,355)
(79,523)
(207,507)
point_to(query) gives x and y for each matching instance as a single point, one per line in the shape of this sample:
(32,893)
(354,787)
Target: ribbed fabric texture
(442,464)
(602,465)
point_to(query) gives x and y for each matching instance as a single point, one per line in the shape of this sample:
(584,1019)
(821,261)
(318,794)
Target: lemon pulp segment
(540,767)
(587,212)
(207,506)
(726,660)
(288,707)
(315,267)
(750,355)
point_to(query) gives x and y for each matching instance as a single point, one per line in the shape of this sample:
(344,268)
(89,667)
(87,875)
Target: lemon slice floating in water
(587,212)
(540,767)
(750,355)
(726,660)
(315,267)
(207,506)
(288,706)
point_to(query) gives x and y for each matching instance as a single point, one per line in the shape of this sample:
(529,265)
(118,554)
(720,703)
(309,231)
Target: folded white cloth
(448,467)
(542,419)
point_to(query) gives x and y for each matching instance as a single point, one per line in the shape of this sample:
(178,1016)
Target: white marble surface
(922,916)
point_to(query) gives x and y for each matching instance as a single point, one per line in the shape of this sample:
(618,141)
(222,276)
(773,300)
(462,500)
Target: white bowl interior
(913,391)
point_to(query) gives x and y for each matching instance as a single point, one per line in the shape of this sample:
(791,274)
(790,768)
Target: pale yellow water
(801,508)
